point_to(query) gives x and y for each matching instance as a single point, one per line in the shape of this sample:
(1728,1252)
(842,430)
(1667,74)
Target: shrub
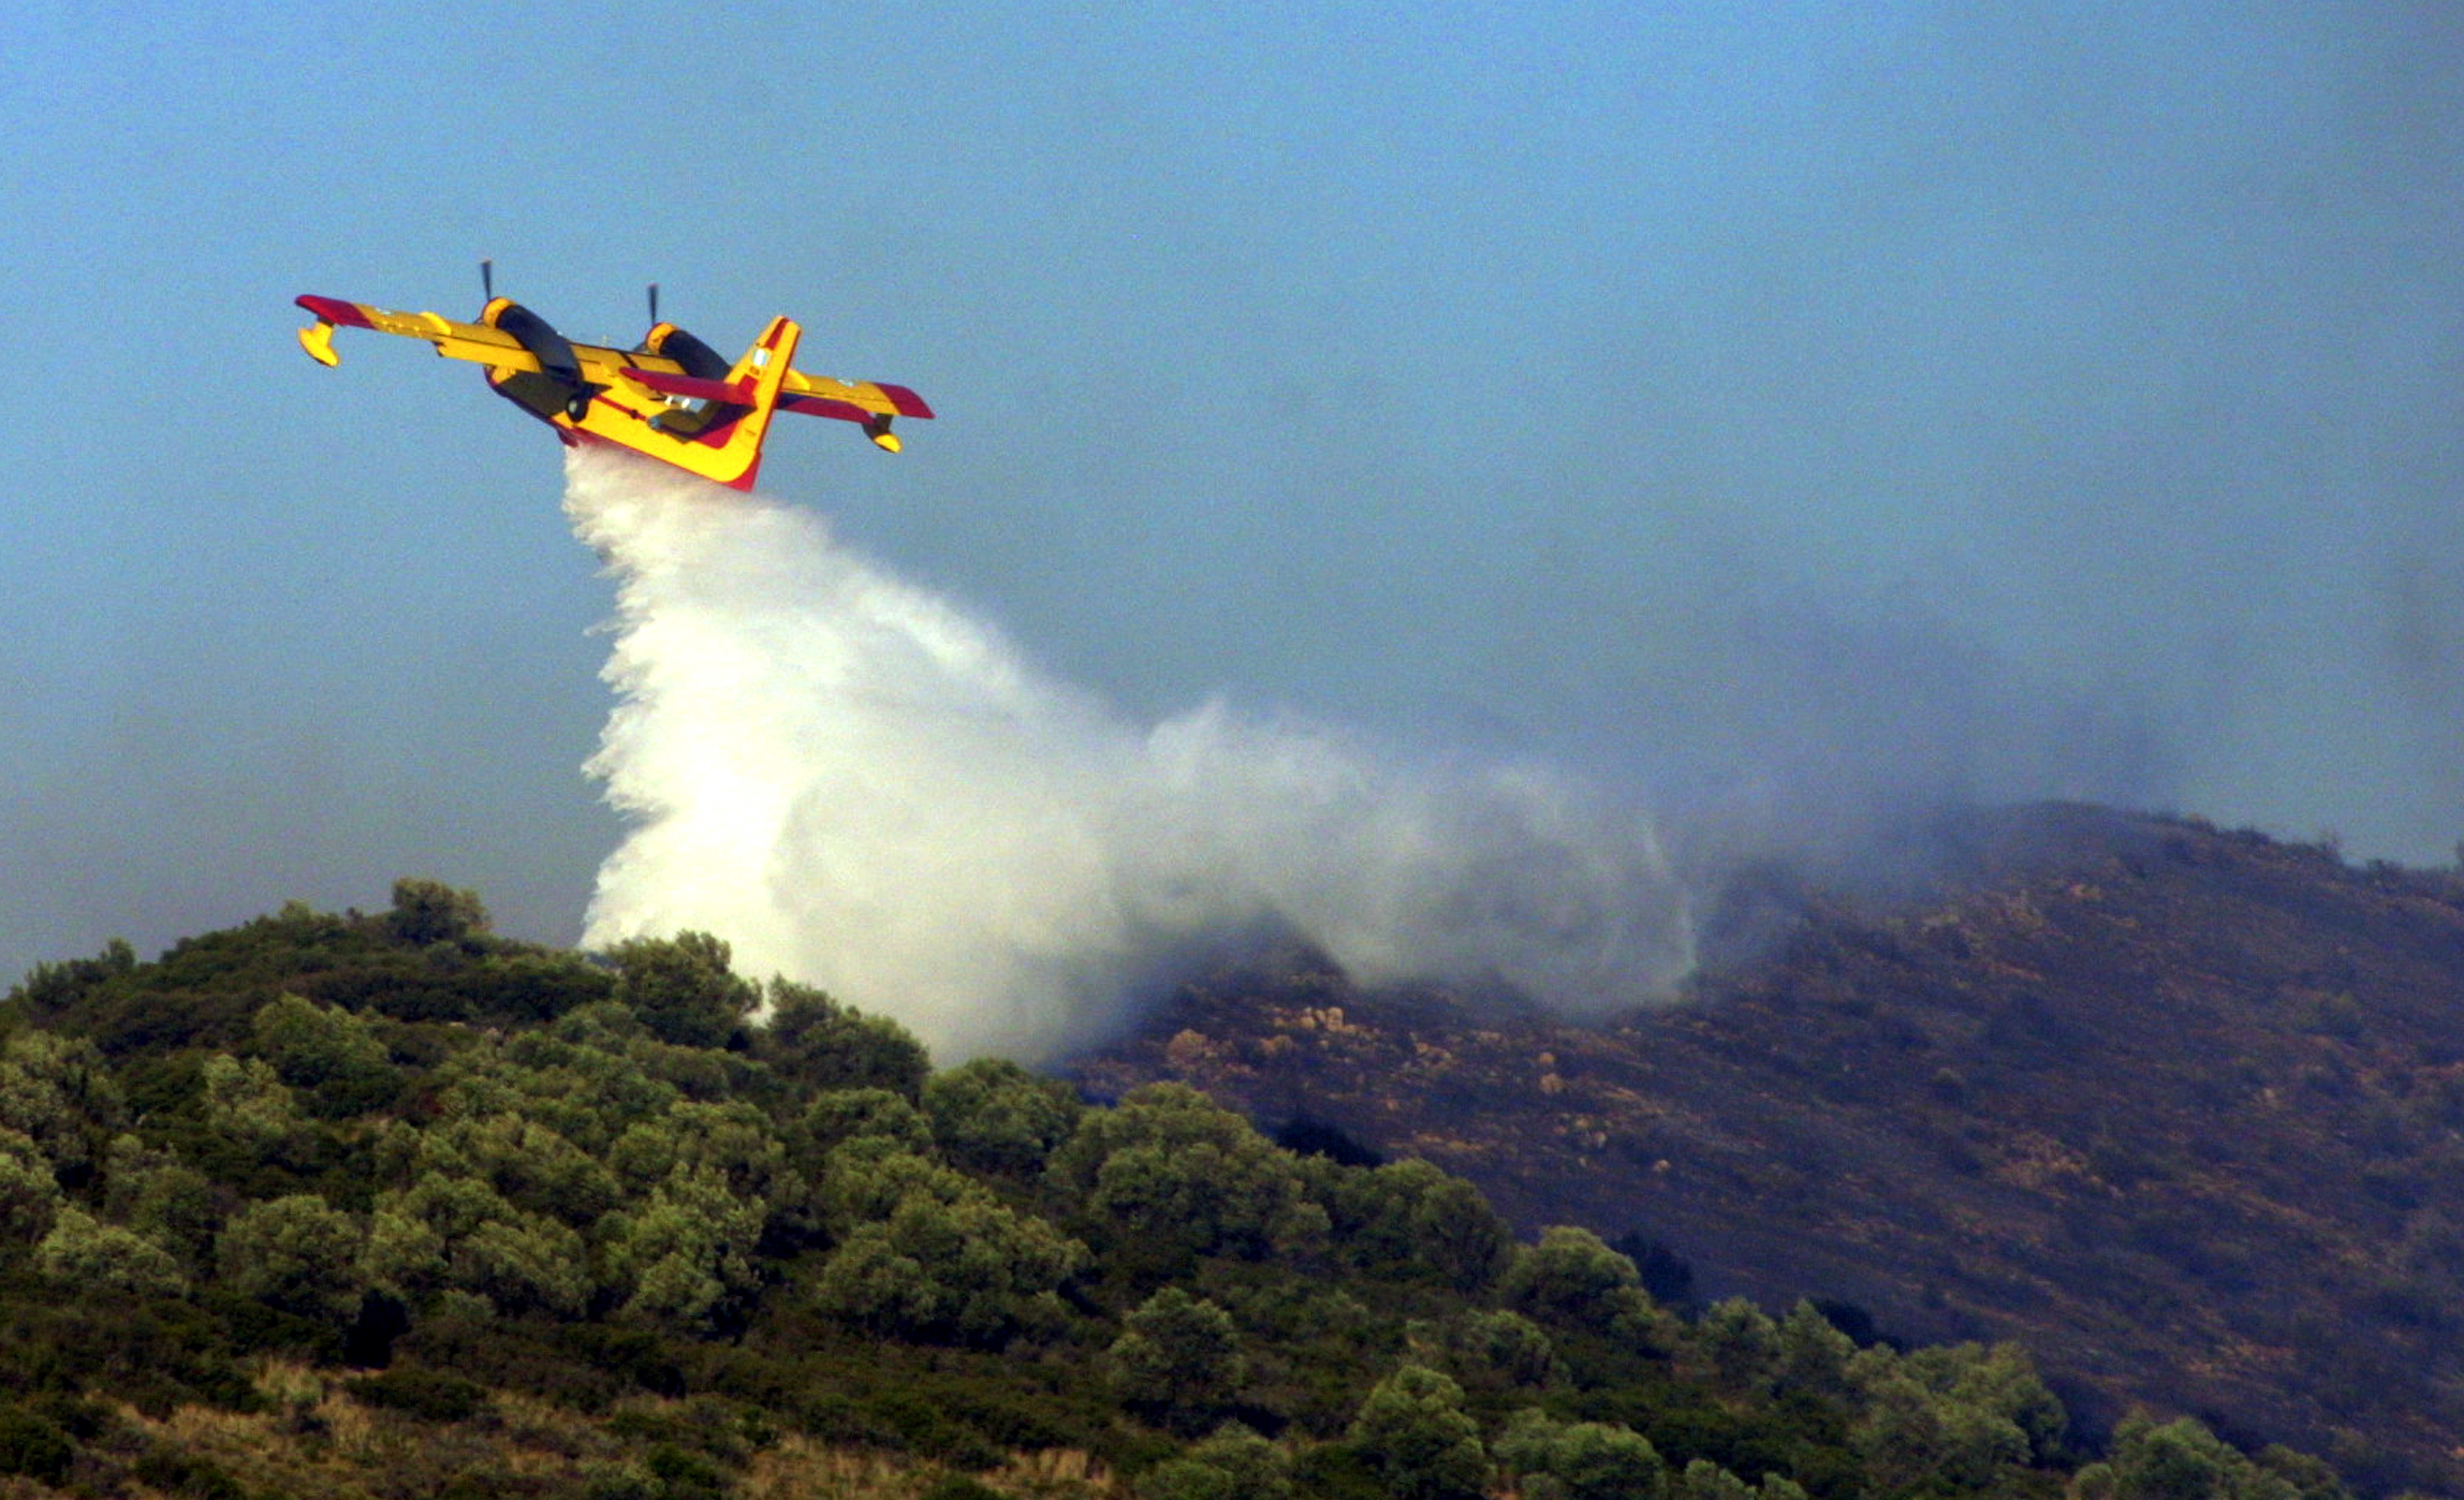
(31,1446)
(431,1395)
(1235,1463)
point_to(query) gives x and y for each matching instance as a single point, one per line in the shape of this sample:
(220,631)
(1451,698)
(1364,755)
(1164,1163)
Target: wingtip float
(673,396)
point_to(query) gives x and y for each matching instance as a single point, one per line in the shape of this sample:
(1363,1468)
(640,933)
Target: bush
(31,1446)
(685,1475)
(431,1395)
(186,1477)
(1235,1463)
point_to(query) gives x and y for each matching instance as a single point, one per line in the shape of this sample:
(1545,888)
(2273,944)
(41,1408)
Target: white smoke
(862,788)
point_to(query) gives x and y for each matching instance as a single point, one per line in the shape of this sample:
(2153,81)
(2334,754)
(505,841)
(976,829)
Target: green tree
(1573,1275)
(682,988)
(522,1264)
(153,1193)
(432,911)
(815,1041)
(2311,1478)
(1178,1356)
(295,1253)
(846,1114)
(993,1116)
(329,1052)
(528,1164)
(1412,1214)
(33,1445)
(1166,1170)
(1234,1464)
(1706,1480)
(1814,1354)
(1506,1348)
(1950,1414)
(403,1254)
(959,1270)
(2179,1460)
(865,1179)
(29,1194)
(1413,1432)
(1554,1460)
(82,1252)
(58,1092)
(1736,1347)
(686,1248)
(245,1105)
(581,1076)
(481,1244)
(732,1140)
(49,990)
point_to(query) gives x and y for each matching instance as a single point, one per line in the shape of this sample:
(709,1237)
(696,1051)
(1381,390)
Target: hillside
(381,1207)
(2177,1108)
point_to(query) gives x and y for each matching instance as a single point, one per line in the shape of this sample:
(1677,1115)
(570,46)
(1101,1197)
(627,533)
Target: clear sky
(1775,410)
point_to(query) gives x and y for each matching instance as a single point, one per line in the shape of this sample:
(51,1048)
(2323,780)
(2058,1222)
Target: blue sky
(1779,411)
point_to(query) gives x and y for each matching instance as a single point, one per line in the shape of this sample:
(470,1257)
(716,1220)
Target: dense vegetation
(384,1205)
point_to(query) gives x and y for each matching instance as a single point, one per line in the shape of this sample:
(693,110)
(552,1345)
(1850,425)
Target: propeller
(654,304)
(487,278)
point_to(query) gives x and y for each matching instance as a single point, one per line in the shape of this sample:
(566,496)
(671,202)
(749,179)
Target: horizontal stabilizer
(823,406)
(690,386)
(905,402)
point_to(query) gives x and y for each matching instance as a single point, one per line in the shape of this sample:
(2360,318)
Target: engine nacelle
(557,387)
(698,359)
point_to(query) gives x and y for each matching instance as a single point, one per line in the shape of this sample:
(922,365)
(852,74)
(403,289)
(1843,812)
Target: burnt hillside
(2178,1108)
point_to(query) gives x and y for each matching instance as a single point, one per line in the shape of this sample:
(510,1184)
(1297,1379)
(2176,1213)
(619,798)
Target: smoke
(861,787)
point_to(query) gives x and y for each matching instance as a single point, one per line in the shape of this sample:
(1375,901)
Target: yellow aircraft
(673,397)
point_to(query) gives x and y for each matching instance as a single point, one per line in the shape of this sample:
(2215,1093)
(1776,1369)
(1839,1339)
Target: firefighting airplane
(673,397)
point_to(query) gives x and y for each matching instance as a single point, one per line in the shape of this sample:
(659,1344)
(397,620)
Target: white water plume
(862,788)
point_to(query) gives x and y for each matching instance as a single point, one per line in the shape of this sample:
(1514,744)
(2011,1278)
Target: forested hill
(2179,1108)
(384,1206)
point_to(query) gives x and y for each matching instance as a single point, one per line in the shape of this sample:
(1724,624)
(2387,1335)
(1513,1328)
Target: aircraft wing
(848,401)
(473,341)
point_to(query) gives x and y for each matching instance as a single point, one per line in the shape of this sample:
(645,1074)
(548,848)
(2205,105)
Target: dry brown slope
(2178,1108)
